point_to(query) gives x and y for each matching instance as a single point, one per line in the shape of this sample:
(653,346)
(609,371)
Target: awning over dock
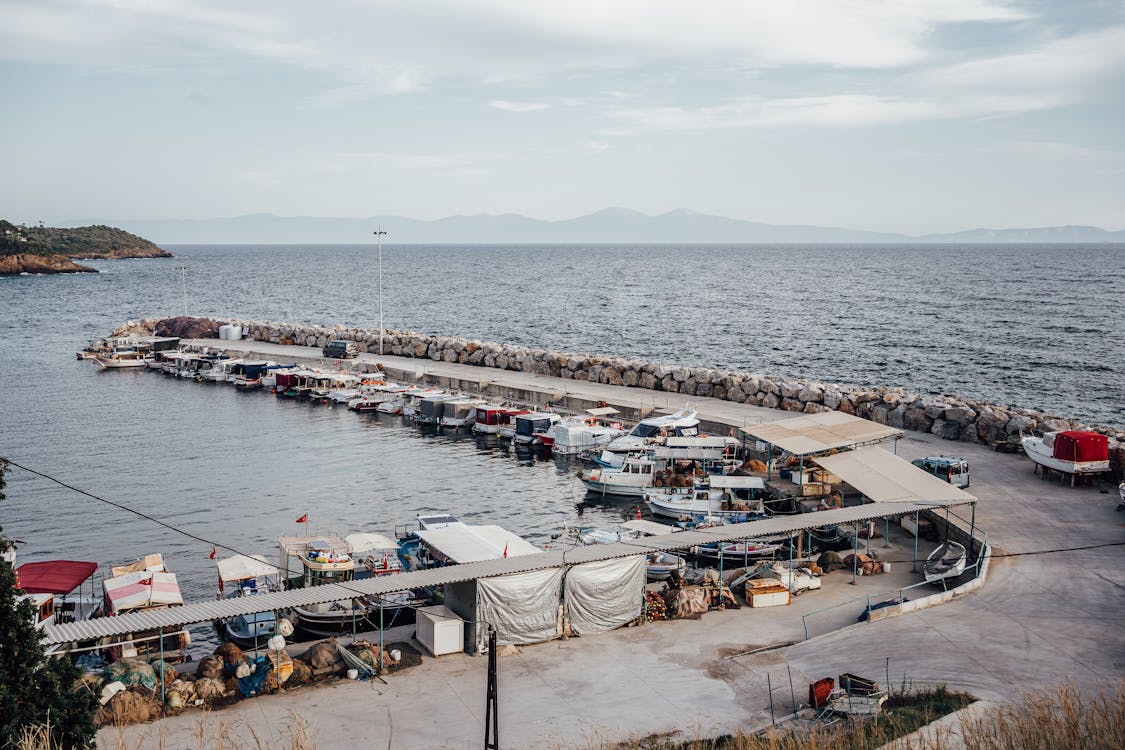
(885,478)
(462,543)
(206,611)
(819,433)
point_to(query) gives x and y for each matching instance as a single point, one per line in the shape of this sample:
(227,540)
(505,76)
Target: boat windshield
(643,430)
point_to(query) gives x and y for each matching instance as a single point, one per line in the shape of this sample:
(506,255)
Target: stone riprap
(948,416)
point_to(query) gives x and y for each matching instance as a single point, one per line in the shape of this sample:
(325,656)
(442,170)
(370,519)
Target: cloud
(518,106)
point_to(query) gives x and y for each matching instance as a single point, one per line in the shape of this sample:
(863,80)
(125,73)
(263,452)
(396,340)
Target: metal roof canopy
(886,478)
(175,617)
(818,433)
(462,543)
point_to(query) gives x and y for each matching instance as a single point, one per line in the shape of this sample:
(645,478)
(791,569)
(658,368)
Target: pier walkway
(634,403)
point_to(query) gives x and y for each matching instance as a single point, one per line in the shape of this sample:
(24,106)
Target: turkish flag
(505,549)
(213,550)
(303,519)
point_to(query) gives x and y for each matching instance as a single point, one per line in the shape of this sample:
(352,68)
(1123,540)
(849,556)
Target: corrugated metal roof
(884,477)
(817,433)
(175,617)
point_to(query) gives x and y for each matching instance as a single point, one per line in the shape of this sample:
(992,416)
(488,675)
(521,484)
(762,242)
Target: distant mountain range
(611,225)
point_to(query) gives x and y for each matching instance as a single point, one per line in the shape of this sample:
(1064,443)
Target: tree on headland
(35,690)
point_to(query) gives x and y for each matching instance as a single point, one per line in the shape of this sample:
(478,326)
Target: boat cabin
(533,424)
(315,560)
(681,424)
(69,583)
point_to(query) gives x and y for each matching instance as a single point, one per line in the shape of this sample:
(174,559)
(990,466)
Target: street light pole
(379,233)
(183,285)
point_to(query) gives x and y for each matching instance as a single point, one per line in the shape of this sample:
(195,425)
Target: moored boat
(241,575)
(531,427)
(122,359)
(682,423)
(142,585)
(316,560)
(593,430)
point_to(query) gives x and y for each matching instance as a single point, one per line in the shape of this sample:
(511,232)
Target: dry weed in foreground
(293,733)
(1052,720)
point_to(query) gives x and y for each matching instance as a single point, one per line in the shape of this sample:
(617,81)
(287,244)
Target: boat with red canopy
(1073,452)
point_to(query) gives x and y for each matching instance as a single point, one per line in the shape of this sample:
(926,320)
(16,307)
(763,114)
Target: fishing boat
(441,539)
(431,408)
(1073,452)
(460,412)
(660,466)
(376,556)
(269,377)
(531,427)
(682,423)
(248,375)
(60,591)
(324,383)
(663,564)
(318,560)
(947,561)
(593,430)
(659,565)
(490,419)
(143,585)
(371,397)
(241,575)
(216,369)
(122,359)
(723,496)
(506,424)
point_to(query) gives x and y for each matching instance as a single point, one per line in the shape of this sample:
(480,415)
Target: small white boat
(663,564)
(122,358)
(460,412)
(246,576)
(947,561)
(590,431)
(1070,452)
(681,424)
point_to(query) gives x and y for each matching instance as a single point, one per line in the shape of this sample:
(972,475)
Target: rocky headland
(948,416)
(37,250)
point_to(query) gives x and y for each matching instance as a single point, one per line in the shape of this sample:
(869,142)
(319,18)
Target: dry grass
(292,733)
(1052,720)
(1058,719)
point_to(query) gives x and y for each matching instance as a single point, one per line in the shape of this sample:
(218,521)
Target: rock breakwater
(948,416)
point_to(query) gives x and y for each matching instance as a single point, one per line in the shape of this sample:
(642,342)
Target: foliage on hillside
(80,242)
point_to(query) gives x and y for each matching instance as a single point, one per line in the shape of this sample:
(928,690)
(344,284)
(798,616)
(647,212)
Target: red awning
(53,576)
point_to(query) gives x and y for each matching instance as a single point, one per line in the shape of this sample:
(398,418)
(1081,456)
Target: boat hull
(1038,452)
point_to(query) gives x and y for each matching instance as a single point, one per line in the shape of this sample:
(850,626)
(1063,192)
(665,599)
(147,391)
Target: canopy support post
(855,553)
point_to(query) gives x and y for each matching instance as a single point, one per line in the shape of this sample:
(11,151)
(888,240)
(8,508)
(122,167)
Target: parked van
(338,349)
(951,469)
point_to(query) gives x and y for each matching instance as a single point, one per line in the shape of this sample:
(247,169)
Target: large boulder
(992,426)
(917,420)
(188,328)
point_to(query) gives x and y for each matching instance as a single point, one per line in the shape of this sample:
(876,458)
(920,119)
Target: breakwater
(948,416)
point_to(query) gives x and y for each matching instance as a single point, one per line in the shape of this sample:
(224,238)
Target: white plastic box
(440,630)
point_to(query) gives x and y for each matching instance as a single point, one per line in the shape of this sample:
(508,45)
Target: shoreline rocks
(948,416)
(13,265)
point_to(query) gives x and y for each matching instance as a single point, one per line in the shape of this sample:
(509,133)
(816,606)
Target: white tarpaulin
(524,607)
(606,594)
(242,568)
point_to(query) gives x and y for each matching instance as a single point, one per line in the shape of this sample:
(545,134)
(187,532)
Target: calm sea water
(1035,326)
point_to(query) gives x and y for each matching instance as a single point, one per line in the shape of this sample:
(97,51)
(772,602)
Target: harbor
(812,617)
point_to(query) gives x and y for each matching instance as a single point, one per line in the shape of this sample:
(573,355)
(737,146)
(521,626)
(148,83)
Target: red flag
(505,549)
(303,519)
(213,550)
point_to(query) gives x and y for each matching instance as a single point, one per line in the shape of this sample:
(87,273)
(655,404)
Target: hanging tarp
(523,607)
(605,594)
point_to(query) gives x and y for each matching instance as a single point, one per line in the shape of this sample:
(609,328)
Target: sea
(1036,326)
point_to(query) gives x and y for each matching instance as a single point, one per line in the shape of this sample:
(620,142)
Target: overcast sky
(899,116)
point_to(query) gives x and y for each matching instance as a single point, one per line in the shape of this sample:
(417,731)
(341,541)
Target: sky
(898,116)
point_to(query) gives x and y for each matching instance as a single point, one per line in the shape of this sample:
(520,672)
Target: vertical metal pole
(160,632)
(380,234)
(886,531)
(492,707)
(972,535)
(792,694)
(888,665)
(855,553)
(769,686)
(914,568)
(381,633)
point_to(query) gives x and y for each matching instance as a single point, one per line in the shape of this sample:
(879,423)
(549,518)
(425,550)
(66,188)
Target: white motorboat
(489,418)
(947,561)
(681,424)
(317,560)
(1074,452)
(727,497)
(590,431)
(661,466)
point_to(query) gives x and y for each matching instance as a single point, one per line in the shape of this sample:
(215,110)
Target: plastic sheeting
(524,607)
(606,594)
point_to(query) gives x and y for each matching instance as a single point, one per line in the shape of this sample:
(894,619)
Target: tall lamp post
(183,285)
(379,233)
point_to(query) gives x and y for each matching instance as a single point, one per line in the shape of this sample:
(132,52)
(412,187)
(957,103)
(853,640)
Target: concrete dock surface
(1039,619)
